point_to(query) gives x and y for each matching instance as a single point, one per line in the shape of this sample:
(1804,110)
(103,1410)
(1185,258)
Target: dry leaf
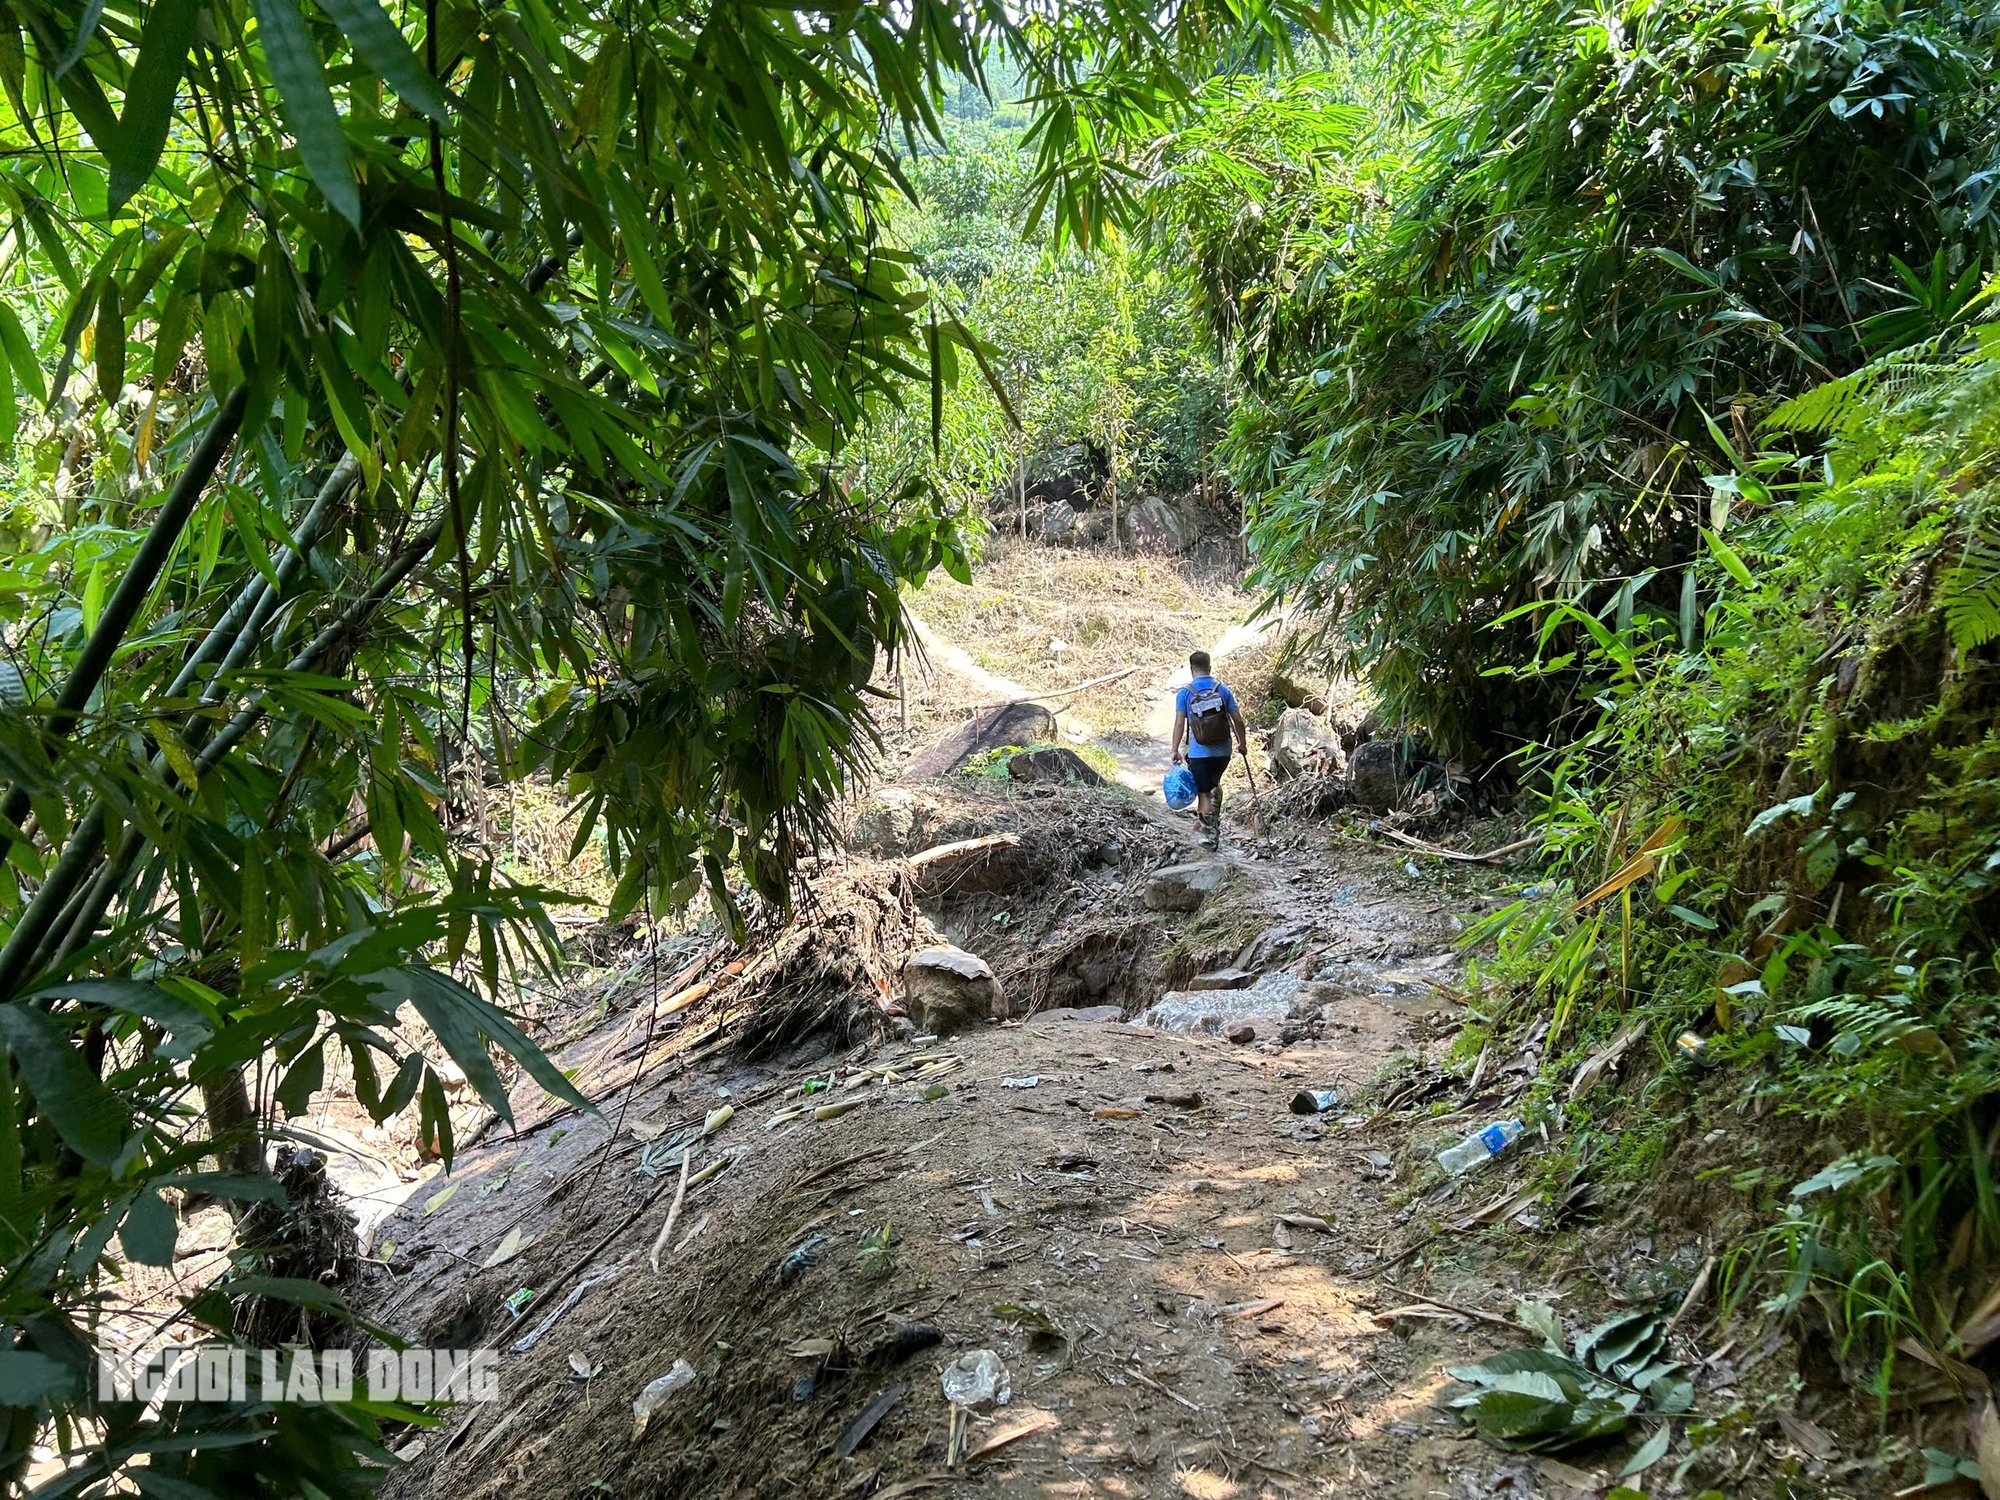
(1022,1424)
(437,1202)
(1252,1309)
(1309,1221)
(1812,1440)
(506,1250)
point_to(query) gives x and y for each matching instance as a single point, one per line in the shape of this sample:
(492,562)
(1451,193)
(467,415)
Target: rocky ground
(1017,1094)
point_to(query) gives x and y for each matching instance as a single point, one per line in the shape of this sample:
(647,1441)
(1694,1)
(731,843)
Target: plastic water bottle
(1479,1146)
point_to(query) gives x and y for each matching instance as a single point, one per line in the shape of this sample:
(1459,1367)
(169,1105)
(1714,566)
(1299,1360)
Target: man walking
(1205,716)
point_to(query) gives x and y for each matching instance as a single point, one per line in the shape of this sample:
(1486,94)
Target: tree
(1493,353)
(422,401)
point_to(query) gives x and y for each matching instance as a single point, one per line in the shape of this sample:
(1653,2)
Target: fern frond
(1837,405)
(1970,596)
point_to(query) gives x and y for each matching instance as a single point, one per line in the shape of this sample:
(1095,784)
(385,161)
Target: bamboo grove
(399,403)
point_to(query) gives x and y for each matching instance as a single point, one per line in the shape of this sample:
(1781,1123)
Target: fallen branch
(1693,1294)
(1490,856)
(680,1196)
(1058,693)
(1464,1312)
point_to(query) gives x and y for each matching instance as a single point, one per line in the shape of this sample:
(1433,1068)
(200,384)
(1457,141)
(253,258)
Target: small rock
(1240,1032)
(1053,763)
(1374,775)
(1273,945)
(1223,979)
(1184,887)
(1111,854)
(949,988)
(1058,523)
(886,822)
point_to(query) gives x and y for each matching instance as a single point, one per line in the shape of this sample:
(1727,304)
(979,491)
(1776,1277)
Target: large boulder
(1184,887)
(887,822)
(1058,523)
(1152,524)
(1288,690)
(993,862)
(1011,724)
(1053,763)
(1374,774)
(1301,746)
(946,989)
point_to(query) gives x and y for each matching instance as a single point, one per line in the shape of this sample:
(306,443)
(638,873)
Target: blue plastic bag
(1179,788)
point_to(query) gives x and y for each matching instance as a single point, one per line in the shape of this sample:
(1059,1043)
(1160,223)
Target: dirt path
(1190,1286)
(1143,758)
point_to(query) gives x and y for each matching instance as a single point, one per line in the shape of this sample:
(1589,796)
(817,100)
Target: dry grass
(1107,611)
(533,830)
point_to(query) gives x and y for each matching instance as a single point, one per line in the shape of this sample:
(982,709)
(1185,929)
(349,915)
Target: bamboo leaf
(308,104)
(134,149)
(150,1229)
(83,1111)
(187,1026)
(110,342)
(379,44)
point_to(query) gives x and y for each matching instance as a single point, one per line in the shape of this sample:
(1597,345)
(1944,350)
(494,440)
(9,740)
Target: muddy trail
(816,1185)
(1192,1288)
(1189,1284)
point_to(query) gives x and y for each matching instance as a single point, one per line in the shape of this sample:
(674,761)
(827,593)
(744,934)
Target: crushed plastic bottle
(977,1378)
(802,1259)
(1480,1146)
(1315,1101)
(655,1395)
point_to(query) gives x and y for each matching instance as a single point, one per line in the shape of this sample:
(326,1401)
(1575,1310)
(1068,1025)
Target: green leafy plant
(876,1259)
(1543,1400)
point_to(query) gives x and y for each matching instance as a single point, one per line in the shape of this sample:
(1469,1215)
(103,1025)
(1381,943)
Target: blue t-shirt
(1195,749)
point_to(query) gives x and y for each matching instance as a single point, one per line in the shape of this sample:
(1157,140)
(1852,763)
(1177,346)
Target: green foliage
(1484,350)
(420,399)
(1105,371)
(1824,750)
(1542,1400)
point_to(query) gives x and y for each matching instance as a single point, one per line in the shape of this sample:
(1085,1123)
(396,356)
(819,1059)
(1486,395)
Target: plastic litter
(795,1265)
(528,1340)
(655,1395)
(1692,1047)
(1179,788)
(1315,1101)
(517,1301)
(977,1378)
(1032,1081)
(1480,1146)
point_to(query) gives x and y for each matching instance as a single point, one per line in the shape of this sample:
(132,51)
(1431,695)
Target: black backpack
(1208,716)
